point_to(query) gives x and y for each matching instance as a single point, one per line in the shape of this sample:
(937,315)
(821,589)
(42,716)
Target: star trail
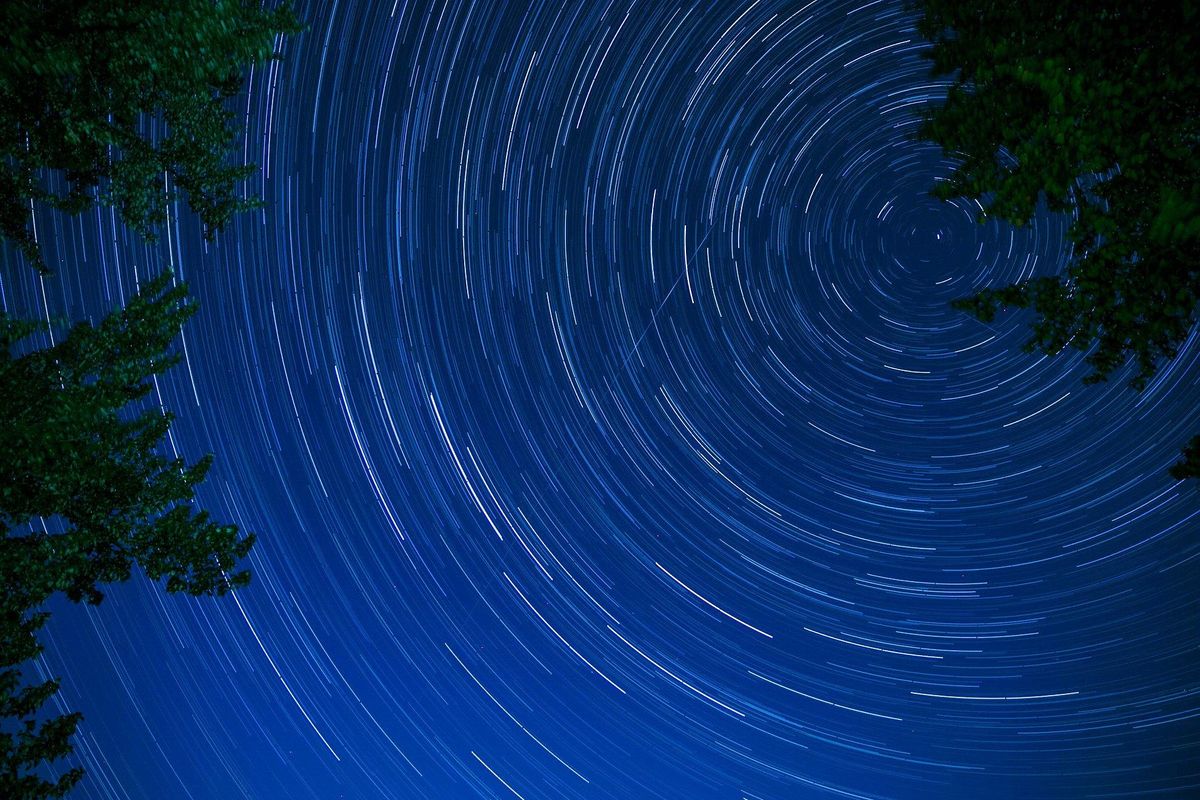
(590,382)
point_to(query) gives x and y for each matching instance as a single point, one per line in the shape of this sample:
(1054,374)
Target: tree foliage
(78,453)
(85,495)
(28,738)
(123,102)
(1095,108)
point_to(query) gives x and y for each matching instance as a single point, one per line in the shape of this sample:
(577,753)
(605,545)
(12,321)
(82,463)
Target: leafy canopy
(77,452)
(1095,108)
(123,102)
(85,495)
(28,737)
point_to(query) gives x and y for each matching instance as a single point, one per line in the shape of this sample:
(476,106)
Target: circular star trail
(590,382)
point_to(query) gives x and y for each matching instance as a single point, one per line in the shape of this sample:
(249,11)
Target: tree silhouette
(1095,109)
(82,456)
(123,102)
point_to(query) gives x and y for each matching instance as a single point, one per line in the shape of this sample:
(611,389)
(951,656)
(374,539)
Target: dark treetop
(125,102)
(592,368)
(85,495)
(1094,107)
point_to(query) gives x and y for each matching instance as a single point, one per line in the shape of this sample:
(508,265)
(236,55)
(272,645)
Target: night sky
(590,383)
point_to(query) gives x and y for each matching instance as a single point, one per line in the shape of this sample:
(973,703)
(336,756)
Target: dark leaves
(124,102)
(1093,110)
(82,450)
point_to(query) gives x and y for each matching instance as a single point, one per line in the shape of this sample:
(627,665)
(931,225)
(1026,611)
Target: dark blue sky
(590,383)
